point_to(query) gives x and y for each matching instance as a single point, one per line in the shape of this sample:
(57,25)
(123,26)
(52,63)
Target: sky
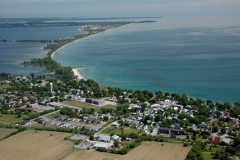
(228,10)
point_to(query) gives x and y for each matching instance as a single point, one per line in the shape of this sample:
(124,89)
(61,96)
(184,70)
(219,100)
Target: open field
(35,145)
(147,151)
(6,119)
(52,116)
(5,131)
(86,105)
(207,155)
(114,130)
(3,86)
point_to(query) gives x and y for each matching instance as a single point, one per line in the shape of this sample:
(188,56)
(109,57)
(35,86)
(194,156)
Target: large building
(172,131)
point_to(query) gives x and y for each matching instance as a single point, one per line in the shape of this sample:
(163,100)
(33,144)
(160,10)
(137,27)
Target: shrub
(185,144)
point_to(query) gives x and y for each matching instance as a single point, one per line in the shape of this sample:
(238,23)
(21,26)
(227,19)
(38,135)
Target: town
(115,120)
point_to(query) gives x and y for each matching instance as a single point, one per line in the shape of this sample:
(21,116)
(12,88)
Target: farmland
(148,150)
(4,132)
(35,145)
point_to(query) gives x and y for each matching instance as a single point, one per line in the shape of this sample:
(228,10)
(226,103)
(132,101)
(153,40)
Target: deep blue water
(200,62)
(13,53)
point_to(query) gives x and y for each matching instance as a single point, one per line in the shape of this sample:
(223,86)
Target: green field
(3,86)
(52,116)
(7,119)
(207,154)
(114,130)
(86,105)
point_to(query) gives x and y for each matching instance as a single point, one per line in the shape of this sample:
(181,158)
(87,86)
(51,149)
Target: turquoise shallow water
(200,62)
(13,53)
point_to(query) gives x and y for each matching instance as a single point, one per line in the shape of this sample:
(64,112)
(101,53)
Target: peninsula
(56,69)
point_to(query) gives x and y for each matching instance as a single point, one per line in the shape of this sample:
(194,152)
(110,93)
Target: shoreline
(75,70)
(77,73)
(84,38)
(71,43)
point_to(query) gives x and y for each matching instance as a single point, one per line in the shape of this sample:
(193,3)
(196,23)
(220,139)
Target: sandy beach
(76,73)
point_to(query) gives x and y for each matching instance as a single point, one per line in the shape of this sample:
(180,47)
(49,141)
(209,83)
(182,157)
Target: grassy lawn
(201,139)
(6,119)
(213,122)
(176,140)
(52,116)
(3,86)
(207,154)
(86,105)
(115,130)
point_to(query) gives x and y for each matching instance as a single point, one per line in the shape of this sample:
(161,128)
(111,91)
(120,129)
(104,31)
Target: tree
(91,138)
(105,118)
(32,75)
(223,130)
(116,143)
(215,129)
(236,141)
(18,113)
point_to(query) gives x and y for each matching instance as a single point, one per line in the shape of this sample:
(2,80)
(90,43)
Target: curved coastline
(76,70)
(70,43)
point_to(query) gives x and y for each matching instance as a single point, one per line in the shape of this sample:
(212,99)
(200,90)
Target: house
(55,104)
(172,131)
(95,128)
(25,109)
(103,138)
(214,139)
(25,123)
(115,124)
(115,137)
(39,120)
(99,122)
(98,102)
(89,100)
(132,106)
(101,145)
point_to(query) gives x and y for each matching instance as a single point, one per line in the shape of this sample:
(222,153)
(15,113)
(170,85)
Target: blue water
(200,62)
(13,53)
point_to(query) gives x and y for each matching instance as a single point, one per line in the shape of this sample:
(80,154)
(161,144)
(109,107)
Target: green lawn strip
(114,130)
(37,125)
(52,116)
(208,154)
(109,106)
(7,119)
(4,86)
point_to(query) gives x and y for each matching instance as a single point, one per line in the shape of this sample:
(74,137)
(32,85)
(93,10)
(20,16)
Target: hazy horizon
(200,11)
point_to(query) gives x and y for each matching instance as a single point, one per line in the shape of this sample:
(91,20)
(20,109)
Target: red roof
(214,139)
